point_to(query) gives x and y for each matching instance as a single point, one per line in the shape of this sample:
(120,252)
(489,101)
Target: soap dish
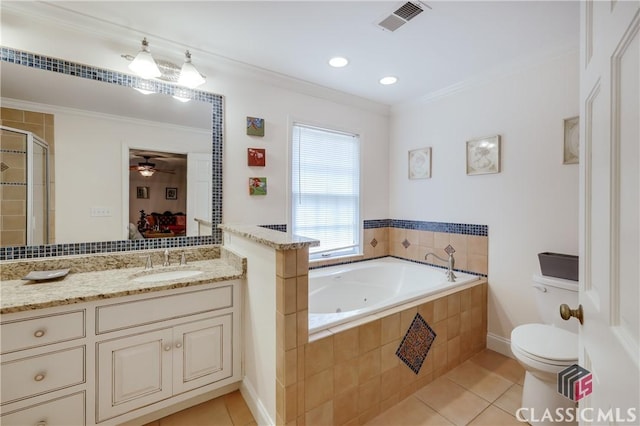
(45,275)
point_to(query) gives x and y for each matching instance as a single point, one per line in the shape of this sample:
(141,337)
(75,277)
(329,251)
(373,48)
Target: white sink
(166,276)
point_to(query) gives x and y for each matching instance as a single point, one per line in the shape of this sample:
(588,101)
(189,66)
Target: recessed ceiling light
(388,80)
(338,62)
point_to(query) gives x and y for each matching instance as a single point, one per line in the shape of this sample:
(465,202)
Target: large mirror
(98,133)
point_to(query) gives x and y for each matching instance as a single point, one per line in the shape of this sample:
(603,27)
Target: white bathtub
(343,293)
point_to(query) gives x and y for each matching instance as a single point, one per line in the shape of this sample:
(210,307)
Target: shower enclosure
(24,186)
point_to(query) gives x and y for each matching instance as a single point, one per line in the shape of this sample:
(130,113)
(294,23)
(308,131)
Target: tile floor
(484,391)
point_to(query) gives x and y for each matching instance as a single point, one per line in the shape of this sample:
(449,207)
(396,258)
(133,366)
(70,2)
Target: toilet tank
(550,293)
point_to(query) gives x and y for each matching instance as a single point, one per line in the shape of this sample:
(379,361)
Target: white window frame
(314,252)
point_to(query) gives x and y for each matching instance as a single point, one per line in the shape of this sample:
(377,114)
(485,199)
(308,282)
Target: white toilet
(546,349)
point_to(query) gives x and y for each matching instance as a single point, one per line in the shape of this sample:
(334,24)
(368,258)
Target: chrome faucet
(451,277)
(166,258)
(148,264)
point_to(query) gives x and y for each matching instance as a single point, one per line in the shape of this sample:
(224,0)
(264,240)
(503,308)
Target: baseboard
(260,413)
(499,344)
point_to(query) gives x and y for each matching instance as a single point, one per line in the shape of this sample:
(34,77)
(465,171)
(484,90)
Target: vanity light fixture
(189,75)
(338,62)
(388,80)
(143,64)
(148,67)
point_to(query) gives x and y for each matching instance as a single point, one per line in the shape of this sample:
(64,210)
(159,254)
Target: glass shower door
(39,211)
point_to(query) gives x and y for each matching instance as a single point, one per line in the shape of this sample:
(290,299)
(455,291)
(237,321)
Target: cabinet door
(133,371)
(203,354)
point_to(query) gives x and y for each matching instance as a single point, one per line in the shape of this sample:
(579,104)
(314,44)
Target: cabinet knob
(178,345)
(39,377)
(167,348)
(42,423)
(39,333)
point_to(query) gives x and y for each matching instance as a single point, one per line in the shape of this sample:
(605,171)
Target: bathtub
(343,293)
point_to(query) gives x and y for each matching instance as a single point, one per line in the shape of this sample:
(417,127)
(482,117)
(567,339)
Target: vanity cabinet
(142,369)
(112,361)
(43,369)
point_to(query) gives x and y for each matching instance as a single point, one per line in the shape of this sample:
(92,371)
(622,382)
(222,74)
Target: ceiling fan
(147,169)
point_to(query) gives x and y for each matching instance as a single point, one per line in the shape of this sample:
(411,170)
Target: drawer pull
(39,377)
(39,333)
(178,345)
(167,348)
(42,423)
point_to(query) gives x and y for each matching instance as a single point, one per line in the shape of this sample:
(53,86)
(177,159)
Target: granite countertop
(269,237)
(21,295)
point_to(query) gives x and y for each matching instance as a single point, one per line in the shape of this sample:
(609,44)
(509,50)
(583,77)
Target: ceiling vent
(401,16)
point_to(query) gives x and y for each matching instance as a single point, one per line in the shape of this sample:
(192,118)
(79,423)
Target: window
(326,189)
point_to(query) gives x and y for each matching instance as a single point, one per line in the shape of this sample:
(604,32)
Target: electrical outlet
(100,212)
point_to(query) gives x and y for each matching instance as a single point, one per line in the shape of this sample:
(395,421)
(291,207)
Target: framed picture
(171,193)
(257,186)
(255,126)
(256,157)
(420,163)
(571,141)
(142,192)
(483,155)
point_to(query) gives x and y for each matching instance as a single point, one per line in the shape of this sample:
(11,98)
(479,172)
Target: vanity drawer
(130,314)
(41,331)
(65,411)
(36,375)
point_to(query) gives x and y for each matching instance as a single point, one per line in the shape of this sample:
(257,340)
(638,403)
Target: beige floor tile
(210,413)
(409,412)
(455,403)
(511,400)
(479,380)
(494,416)
(156,423)
(238,409)
(506,367)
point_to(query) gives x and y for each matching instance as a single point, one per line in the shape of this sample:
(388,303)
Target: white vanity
(99,348)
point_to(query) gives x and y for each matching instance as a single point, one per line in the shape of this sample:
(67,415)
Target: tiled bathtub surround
(413,239)
(349,374)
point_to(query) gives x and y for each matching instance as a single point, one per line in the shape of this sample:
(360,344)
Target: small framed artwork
(255,126)
(142,192)
(257,186)
(256,157)
(420,163)
(483,155)
(171,193)
(571,141)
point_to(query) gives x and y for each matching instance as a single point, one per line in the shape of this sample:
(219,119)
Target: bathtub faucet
(451,277)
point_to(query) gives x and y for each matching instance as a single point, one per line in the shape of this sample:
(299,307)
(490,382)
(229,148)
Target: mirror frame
(51,64)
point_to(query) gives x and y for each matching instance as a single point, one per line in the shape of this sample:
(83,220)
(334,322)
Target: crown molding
(87,26)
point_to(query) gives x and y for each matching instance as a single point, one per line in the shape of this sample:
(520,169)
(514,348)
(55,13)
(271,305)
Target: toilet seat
(545,344)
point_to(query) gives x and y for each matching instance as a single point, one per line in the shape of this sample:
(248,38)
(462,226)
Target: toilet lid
(547,342)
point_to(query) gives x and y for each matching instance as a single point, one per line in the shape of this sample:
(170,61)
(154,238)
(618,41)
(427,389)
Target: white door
(609,209)
(199,180)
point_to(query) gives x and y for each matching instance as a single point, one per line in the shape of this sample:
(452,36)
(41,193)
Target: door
(204,353)
(133,371)
(199,203)
(609,216)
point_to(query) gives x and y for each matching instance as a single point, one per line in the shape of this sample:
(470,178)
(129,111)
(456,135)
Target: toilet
(546,349)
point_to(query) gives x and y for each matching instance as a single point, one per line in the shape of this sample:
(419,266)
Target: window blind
(326,189)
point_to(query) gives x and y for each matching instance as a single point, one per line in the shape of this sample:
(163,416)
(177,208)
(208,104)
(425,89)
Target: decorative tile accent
(451,228)
(449,249)
(278,227)
(3,167)
(374,242)
(416,343)
(406,243)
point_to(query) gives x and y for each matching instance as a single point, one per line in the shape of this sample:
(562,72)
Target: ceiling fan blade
(173,172)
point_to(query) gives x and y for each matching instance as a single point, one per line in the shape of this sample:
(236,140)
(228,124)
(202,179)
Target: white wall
(248,92)
(530,207)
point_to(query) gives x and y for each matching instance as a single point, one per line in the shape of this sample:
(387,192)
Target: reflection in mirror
(91,127)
